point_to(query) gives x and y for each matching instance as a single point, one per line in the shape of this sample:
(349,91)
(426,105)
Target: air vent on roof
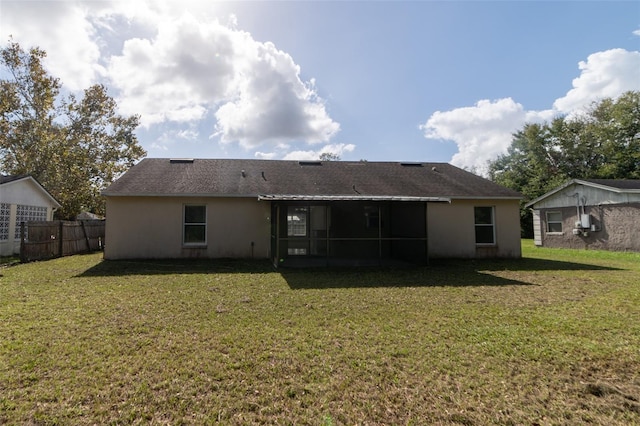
(411,164)
(310,163)
(180,160)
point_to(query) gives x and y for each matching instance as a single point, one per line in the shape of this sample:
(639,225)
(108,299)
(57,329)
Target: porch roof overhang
(303,197)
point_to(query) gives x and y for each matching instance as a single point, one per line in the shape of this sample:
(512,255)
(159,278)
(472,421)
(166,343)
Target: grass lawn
(553,338)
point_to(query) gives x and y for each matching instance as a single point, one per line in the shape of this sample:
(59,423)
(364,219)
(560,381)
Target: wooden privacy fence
(46,240)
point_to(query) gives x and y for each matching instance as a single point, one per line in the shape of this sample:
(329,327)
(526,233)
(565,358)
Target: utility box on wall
(585,221)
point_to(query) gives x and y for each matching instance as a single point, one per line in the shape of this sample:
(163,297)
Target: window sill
(554,233)
(194,246)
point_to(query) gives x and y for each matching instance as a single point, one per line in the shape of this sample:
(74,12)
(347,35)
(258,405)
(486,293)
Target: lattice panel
(5,213)
(29,214)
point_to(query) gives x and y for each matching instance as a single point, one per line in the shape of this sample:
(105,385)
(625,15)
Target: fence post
(86,237)
(23,254)
(61,236)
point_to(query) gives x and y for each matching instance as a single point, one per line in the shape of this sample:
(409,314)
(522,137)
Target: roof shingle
(251,178)
(617,183)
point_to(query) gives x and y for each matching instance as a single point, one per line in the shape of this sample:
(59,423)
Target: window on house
(554,221)
(195,224)
(485,225)
(372,217)
(297,221)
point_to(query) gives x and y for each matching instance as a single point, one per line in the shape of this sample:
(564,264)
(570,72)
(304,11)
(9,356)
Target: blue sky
(382,81)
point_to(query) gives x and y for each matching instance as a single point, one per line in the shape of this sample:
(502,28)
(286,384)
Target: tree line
(600,143)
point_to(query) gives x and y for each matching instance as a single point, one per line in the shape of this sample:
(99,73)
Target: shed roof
(280,179)
(622,184)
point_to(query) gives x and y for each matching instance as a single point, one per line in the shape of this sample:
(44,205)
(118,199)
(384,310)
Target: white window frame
(492,225)
(547,228)
(185,224)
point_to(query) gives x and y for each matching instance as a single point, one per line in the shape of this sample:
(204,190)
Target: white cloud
(191,135)
(159,146)
(604,74)
(338,149)
(253,90)
(176,62)
(272,104)
(169,137)
(51,26)
(483,131)
(637,32)
(265,155)
(164,81)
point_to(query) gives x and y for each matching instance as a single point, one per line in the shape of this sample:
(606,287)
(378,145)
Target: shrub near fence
(46,240)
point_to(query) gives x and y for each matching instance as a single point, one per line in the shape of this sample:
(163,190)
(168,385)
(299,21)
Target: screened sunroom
(348,230)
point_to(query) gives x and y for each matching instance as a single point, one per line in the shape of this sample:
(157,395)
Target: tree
(602,143)
(73,146)
(617,126)
(329,156)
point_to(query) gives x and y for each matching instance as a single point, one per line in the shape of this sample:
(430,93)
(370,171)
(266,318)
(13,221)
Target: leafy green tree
(617,127)
(73,146)
(604,143)
(530,165)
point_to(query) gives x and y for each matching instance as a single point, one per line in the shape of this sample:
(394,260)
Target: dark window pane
(554,217)
(483,215)
(194,233)
(195,214)
(554,227)
(484,235)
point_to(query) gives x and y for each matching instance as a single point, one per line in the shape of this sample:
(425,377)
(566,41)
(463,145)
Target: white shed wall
(24,192)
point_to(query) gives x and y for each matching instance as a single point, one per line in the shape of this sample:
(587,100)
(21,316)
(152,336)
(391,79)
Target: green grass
(553,338)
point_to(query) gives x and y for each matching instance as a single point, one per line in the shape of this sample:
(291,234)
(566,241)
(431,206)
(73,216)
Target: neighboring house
(589,214)
(308,212)
(22,199)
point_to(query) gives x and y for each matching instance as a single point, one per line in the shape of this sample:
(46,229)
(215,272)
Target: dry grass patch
(550,339)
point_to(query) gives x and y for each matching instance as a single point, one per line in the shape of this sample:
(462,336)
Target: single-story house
(308,212)
(22,199)
(589,214)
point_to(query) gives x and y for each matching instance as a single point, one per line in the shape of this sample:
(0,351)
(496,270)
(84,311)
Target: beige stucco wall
(451,229)
(151,228)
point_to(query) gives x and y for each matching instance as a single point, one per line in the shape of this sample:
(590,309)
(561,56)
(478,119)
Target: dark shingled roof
(253,178)
(617,183)
(11,178)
